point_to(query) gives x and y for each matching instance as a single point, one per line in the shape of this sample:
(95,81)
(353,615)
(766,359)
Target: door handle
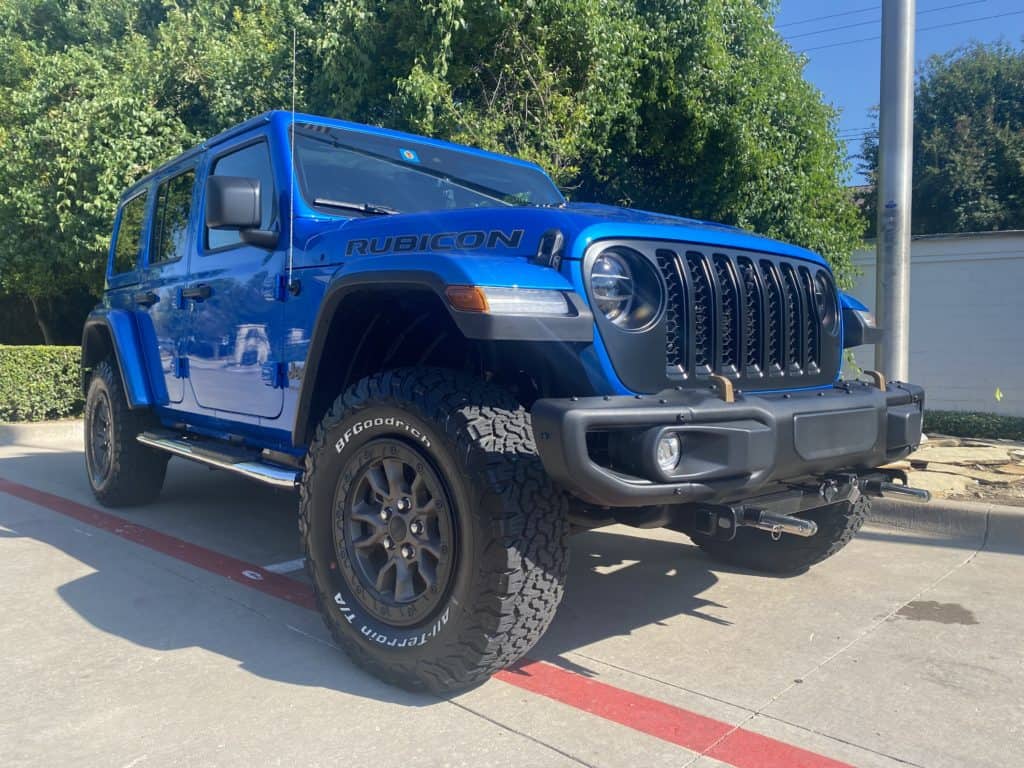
(146,298)
(197,292)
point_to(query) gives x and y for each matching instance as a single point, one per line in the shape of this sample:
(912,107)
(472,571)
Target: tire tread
(522,573)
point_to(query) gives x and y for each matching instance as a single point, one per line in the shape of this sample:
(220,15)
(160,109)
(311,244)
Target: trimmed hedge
(973,424)
(38,383)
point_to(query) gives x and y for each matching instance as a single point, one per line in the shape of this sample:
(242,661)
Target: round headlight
(612,283)
(626,288)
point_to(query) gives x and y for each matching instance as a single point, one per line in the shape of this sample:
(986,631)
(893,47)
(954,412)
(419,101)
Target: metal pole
(895,155)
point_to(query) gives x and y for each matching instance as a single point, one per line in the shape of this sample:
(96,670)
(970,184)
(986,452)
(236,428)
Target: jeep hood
(515,231)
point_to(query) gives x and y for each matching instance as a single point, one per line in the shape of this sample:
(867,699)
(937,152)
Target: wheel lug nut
(385,513)
(416,527)
(389,542)
(407,551)
(404,505)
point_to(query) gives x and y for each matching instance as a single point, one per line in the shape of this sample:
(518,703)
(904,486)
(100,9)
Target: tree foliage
(968,142)
(694,107)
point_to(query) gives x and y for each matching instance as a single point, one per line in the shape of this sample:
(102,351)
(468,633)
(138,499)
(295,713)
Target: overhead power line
(879,21)
(829,16)
(919,29)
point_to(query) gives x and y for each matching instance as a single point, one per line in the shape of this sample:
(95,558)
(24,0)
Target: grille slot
(751,318)
(703,312)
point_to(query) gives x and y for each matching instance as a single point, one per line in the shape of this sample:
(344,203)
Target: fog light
(669,449)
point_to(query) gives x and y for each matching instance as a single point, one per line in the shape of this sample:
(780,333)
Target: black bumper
(603,449)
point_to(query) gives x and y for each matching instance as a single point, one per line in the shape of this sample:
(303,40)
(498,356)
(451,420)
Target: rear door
(162,317)
(237,301)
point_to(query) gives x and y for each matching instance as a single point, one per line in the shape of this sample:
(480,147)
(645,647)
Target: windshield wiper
(370,208)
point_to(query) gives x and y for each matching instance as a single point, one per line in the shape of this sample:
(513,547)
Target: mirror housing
(232,202)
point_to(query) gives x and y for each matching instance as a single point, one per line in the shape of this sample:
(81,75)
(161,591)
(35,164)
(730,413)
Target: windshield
(350,172)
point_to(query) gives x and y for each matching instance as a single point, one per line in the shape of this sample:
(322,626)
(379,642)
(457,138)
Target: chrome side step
(246,464)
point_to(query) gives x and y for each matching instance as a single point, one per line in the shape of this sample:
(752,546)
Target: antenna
(291,173)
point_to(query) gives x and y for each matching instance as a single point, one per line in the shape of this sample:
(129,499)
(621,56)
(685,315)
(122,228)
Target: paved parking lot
(177,634)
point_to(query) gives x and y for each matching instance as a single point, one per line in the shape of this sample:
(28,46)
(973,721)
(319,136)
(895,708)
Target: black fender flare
(578,327)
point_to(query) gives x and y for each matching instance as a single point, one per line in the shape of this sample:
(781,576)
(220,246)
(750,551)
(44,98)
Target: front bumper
(603,449)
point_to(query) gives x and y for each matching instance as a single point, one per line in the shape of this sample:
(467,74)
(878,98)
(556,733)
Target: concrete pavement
(903,650)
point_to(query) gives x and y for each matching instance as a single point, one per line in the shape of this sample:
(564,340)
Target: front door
(160,311)
(236,302)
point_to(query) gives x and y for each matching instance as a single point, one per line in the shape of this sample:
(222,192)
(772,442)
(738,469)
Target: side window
(129,234)
(170,219)
(251,162)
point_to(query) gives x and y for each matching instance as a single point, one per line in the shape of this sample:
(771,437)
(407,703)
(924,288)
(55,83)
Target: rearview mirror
(232,202)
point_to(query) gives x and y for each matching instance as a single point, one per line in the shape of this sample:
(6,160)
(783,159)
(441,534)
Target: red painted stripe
(741,748)
(720,740)
(223,565)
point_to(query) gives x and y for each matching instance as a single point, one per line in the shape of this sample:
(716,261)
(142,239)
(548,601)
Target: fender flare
(119,327)
(578,327)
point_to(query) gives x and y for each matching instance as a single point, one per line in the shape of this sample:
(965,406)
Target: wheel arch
(113,334)
(357,312)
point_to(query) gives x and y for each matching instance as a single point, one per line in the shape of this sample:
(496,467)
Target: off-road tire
(134,474)
(754,549)
(511,523)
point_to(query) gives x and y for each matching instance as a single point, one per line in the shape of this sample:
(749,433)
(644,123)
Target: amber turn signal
(467,298)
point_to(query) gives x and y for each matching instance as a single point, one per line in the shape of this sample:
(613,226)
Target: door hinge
(281,288)
(181,367)
(275,375)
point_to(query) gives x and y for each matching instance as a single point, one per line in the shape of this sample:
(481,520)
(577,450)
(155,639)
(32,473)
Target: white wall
(966,319)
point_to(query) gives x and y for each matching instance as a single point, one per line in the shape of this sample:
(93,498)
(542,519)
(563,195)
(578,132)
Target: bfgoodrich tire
(122,471)
(754,549)
(434,540)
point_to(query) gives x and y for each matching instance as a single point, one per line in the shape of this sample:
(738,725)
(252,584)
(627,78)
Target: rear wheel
(435,542)
(754,549)
(121,470)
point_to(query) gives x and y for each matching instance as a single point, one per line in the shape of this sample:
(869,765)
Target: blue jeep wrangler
(456,367)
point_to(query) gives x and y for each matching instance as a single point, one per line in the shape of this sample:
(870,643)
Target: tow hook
(880,483)
(722,522)
(895,491)
(777,525)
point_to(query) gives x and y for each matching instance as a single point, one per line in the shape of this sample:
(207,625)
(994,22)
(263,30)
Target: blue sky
(847,74)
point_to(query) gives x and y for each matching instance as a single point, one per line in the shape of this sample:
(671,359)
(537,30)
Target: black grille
(751,318)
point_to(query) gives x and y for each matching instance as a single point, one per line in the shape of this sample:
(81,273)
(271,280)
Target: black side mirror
(233,202)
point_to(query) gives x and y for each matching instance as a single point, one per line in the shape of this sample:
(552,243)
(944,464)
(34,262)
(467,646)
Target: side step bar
(248,465)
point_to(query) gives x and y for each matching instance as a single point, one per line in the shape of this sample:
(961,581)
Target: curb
(41,433)
(1000,527)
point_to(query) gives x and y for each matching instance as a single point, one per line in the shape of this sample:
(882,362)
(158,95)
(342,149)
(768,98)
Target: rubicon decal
(469,240)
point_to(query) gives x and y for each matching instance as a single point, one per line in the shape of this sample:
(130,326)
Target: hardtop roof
(285,117)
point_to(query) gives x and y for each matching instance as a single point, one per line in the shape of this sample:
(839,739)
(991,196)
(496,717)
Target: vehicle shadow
(618,583)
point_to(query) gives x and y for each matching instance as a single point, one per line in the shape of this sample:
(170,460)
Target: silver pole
(895,156)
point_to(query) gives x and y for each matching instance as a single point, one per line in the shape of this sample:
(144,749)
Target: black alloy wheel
(99,440)
(121,470)
(435,542)
(398,532)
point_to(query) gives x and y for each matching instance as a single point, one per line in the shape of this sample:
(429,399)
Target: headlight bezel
(644,306)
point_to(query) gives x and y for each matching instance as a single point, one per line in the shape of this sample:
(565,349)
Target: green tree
(73,134)
(695,108)
(968,142)
(97,93)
